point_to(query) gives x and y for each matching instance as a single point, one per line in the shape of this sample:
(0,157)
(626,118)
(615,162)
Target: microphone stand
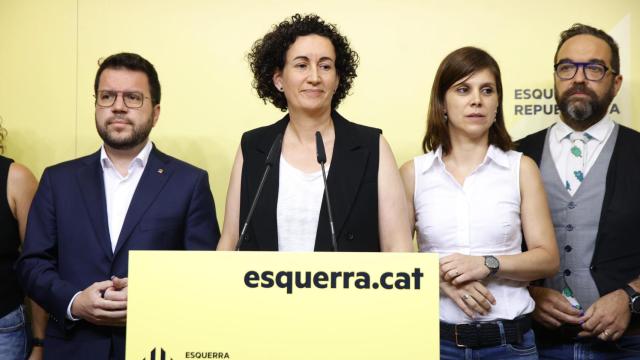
(322,159)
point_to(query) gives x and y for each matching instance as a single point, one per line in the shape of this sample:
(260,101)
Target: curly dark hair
(269,53)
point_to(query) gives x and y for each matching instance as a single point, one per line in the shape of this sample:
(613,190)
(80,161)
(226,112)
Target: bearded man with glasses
(590,167)
(88,213)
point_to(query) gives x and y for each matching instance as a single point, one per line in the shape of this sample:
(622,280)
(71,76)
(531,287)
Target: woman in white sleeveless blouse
(472,200)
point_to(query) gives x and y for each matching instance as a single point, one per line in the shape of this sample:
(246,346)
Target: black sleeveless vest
(11,293)
(352,183)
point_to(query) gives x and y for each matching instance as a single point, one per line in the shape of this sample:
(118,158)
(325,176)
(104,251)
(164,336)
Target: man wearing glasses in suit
(590,166)
(88,213)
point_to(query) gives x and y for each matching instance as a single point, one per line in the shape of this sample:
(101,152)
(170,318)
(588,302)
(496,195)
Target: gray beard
(582,113)
(580,110)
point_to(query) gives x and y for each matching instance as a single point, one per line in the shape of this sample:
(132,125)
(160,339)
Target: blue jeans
(524,350)
(627,347)
(13,336)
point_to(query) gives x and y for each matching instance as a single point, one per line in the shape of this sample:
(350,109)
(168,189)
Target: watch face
(635,304)
(491,262)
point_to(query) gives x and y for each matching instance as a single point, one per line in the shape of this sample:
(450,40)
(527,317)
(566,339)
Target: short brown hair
(132,62)
(582,29)
(458,65)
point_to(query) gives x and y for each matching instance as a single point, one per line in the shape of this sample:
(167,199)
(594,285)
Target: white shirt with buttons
(480,217)
(560,144)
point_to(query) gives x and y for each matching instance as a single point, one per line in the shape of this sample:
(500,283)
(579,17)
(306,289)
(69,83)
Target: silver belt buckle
(455,333)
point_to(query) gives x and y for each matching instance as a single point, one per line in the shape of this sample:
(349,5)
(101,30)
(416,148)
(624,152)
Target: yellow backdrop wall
(50,49)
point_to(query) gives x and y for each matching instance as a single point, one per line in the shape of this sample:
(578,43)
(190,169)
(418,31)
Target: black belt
(483,334)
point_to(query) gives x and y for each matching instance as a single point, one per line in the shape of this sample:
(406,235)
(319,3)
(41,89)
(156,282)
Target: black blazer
(616,259)
(352,182)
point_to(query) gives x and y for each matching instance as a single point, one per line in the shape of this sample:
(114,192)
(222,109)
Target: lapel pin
(160,171)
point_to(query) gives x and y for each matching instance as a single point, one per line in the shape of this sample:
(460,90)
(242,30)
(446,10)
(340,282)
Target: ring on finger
(465,297)
(605,332)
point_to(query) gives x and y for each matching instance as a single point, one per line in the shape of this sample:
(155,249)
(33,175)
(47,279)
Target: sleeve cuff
(69,316)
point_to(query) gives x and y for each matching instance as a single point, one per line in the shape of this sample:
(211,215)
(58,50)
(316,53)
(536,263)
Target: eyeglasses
(567,70)
(131,99)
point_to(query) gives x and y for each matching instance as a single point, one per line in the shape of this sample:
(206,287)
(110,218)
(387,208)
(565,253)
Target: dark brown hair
(581,29)
(133,62)
(457,66)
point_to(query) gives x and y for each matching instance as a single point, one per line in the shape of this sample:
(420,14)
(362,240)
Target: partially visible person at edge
(590,309)
(471,199)
(17,187)
(306,67)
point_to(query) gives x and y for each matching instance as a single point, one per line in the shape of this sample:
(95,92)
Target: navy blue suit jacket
(67,246)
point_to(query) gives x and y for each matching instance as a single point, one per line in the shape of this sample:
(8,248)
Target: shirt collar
(497,156)
(598,131)
(431,158)
(493,153)
(140,160)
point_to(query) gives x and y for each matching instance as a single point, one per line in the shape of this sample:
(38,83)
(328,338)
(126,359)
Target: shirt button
(567,272)
(592,268)
(571,205)
(568,248)
(569,227)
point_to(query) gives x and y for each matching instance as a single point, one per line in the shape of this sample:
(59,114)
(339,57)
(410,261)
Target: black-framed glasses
(567,70)
(131,99)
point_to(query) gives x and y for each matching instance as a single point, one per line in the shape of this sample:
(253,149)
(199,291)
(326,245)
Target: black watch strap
(634,299)
(630,291)
(37,342)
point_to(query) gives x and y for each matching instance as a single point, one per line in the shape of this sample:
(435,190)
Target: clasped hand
(103,303)
(460,277)
(458,269)
(607,318)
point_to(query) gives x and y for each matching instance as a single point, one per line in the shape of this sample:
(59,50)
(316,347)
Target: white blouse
(299,201)
(480,217)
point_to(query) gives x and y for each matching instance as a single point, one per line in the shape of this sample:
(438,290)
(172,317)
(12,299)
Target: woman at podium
(472,199)
(305,67)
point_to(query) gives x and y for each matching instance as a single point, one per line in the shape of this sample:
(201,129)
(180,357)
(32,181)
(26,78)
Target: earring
(281,88)
(446,118)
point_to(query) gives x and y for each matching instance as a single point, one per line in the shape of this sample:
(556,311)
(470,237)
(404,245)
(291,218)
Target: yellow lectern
(270,305)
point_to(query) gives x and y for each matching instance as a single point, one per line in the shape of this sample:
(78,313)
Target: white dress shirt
(480,217)
(560,144)
(118,191)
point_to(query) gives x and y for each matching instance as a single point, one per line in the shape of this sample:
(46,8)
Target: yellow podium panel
(271,305)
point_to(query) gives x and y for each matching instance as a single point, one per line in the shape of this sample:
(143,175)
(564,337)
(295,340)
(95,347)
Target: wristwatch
(492,263)
(37,342)
(634,299)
